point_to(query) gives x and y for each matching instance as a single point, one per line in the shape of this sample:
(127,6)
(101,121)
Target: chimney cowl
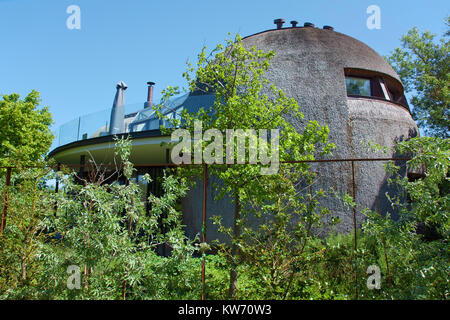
(328,28)
(294,23)
(279,23)
(121,85)
(308,24)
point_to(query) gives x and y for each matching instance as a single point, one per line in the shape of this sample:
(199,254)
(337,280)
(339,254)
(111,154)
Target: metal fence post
(354,208)
(355,229)
(58,168)
(205,181)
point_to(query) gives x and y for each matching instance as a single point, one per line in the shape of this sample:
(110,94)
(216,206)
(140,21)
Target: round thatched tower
(340,82)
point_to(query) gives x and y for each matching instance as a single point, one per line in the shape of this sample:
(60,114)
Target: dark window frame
(394,88)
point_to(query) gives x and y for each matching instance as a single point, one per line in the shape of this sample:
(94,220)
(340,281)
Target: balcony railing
(136,119)
(91,125)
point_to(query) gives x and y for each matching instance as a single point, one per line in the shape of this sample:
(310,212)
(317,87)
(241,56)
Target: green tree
(245,100)
(104,231)
(21,240)
(275,249)
(419,263)
(25,135)
(423,65)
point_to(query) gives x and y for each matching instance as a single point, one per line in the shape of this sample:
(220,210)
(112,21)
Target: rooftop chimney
(279,23)
(149,102)
(294,23)
(328,28)
(116,123)
(308,24)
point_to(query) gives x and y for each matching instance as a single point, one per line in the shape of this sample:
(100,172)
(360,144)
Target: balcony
(136,119)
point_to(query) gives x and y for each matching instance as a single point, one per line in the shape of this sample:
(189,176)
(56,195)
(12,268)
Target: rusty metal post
(5,199)
(354,209)
(355,229)
(205,181)
(58,168)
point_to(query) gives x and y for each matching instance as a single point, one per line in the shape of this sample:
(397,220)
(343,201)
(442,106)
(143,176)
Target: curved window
(366,83)
(358,86)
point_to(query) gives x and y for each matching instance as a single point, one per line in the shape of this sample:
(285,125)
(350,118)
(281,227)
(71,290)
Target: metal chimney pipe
(294,23)
(279,23)
(149,101)
(116,123)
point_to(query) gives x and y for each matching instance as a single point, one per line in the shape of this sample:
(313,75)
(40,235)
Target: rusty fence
(351,161)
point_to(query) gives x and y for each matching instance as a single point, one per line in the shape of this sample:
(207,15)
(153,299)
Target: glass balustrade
(136,119)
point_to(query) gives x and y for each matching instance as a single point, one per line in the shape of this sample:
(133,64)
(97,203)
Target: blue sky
(138,41)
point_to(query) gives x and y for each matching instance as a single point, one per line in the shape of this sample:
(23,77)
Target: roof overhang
(146,148)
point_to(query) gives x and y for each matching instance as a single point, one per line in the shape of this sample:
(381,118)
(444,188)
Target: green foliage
(278,259)
(105,230)
(25,135)
(429,196)
(412,266)
(245,100)
(423,65)
(274,244)
(419,264)
(23,236)
(102,229)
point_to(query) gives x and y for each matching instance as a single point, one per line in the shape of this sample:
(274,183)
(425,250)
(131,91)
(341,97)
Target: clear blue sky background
(148,40)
